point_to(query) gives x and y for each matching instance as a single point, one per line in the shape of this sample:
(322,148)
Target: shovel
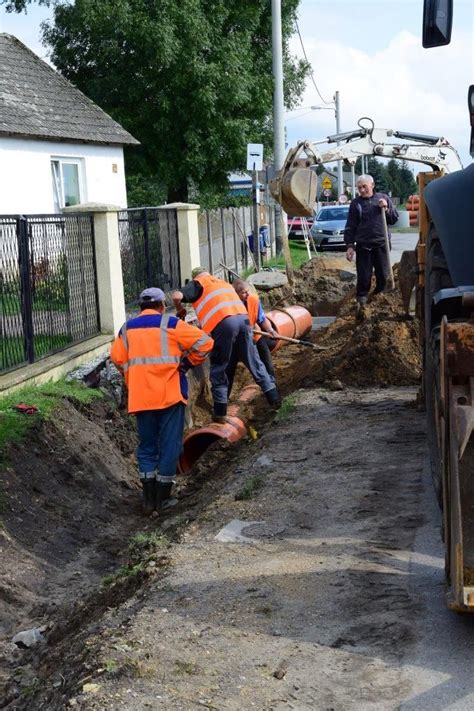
(390,280)
(298,341)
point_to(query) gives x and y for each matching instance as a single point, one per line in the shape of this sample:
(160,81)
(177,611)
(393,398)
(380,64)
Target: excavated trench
(71,500)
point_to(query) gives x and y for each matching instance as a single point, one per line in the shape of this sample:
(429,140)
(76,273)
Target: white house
(57,148)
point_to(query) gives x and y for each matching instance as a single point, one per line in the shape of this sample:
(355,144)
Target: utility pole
(279,131)
(340,181)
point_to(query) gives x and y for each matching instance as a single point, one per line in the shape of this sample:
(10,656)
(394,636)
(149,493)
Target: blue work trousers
(160,435)
(233,342)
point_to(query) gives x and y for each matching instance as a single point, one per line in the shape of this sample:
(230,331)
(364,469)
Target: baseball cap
(197,270)
(151,294)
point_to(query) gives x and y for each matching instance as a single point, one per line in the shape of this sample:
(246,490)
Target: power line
(311,68)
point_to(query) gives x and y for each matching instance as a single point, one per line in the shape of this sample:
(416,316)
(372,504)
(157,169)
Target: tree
(393,178)
(191,80)
(407,182)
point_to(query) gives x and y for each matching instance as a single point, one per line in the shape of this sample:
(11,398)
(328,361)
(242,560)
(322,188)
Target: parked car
(295,227)
(328,227)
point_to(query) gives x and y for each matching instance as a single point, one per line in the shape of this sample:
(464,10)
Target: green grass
(12,348)
(250,487)
(299,255)
(288,405)
(14,426)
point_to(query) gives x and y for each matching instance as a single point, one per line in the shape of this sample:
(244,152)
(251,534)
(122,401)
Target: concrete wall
(26,184)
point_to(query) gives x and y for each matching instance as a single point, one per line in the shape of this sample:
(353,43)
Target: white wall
(26,184)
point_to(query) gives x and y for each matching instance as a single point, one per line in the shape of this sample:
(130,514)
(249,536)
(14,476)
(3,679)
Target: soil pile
(320,284)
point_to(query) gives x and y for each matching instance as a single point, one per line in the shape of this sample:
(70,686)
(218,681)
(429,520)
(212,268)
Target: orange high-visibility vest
(252,305)
(217,301)
(149,351)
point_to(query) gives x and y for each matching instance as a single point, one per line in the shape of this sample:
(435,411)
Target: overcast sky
(370,51)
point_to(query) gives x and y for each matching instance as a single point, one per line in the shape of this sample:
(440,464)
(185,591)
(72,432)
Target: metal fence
(223,237)
(48,285)
(149,249)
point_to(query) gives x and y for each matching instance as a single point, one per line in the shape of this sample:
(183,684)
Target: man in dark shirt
(365,237)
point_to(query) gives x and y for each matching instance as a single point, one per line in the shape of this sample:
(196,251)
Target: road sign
(254,156)
(326,183)
(326,192)
(342,199)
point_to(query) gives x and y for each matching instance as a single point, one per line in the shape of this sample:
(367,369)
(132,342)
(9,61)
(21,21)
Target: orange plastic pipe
(292,321)
(195,443)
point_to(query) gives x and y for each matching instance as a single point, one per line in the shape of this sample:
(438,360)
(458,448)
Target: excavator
(442,273)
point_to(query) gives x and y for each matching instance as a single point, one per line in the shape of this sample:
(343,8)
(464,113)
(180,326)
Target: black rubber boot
(163,496)
(149,496)
(220,412)
(273,398)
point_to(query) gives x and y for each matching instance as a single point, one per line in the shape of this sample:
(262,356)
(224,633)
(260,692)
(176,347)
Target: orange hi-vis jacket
(217,301)
(153,351)
(252,305)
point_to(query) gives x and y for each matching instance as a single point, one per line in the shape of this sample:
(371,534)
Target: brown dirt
(71,505)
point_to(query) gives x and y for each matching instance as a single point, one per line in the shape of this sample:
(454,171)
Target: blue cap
(151,294)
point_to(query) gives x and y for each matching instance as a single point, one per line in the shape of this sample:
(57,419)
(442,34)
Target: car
(328,227)
(295,227)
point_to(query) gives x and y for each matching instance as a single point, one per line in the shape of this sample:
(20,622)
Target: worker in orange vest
(258,320)
(154,351)
(222,315)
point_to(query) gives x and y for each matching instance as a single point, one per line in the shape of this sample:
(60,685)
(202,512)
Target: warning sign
(326,183)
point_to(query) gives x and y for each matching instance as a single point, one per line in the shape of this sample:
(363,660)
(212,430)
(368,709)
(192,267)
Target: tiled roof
(37,102)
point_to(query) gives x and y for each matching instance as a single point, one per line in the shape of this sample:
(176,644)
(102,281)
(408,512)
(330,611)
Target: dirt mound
(320,284)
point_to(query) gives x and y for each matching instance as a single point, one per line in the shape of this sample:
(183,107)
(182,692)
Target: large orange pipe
(292,321)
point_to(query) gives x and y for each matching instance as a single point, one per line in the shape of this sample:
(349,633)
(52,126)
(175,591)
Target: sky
(370,51)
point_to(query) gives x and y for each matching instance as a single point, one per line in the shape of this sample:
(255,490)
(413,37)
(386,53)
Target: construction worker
(258,320)
(154,351)
(223,316)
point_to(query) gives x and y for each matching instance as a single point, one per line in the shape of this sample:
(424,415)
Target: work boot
(220,412)
(149,496)
(163,496)
(361,313)
(273,398)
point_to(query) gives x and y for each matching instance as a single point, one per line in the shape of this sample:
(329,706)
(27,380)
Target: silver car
(328,227)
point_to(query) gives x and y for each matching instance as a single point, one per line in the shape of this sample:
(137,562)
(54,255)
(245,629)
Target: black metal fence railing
(48,285)
(223,237)
(149,249)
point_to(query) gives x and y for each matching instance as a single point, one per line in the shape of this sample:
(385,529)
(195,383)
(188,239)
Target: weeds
(182,667)
(250,487)
(143,545)
(122,573)
(288,405)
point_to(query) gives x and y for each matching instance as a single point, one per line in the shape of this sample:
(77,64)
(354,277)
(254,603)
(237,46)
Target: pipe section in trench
(293,321)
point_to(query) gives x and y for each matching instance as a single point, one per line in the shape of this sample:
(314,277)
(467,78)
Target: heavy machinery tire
(436,277)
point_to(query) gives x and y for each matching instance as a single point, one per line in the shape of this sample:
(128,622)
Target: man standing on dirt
(153,352)
(258,320)
(365,237)
(223,316)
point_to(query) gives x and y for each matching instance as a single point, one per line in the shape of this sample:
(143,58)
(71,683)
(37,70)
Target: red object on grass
(25,409)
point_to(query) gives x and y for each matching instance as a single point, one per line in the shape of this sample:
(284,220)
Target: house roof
(37,102)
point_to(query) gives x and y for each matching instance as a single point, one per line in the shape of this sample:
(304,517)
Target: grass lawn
(12,350)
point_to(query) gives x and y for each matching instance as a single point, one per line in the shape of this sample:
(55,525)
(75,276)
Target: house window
(67,182)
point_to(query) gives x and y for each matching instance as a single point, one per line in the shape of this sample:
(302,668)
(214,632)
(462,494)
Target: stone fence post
(188,237)
(108,264)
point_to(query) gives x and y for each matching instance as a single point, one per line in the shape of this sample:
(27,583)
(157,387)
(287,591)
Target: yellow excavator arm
(295,185)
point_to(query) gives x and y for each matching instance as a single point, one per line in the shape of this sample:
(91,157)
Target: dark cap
(151,294)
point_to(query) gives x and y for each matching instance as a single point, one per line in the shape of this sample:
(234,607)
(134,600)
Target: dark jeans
(368,261)
(233,342)
(160,434)
(264,348)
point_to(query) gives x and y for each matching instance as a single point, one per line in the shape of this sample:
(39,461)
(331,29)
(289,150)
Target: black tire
(436,277)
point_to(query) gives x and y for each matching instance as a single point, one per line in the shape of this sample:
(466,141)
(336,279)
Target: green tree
(378,171)
(393,178)
(407,182)
(191,80)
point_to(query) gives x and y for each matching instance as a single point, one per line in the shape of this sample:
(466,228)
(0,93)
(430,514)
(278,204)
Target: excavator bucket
(295,190)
